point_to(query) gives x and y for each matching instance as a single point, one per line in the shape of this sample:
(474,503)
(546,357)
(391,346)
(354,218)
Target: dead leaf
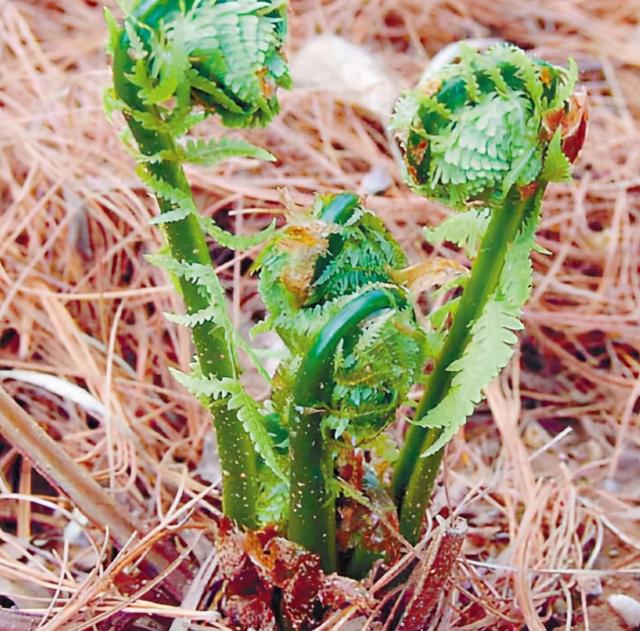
(423,276)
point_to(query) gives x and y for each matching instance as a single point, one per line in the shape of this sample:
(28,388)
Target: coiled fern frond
(176,62)
(225,56)
(486,123)
(485,134)
(308,273)
(354,349)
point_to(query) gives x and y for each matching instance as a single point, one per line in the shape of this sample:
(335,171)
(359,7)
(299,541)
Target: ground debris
(267,576)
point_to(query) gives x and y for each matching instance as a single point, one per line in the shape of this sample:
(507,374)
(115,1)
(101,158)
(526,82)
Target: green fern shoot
(176,62)
(354,349)
(485,136)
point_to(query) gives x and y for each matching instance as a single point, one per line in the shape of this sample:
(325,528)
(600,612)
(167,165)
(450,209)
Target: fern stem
(340,208)
(312,519)
(187,243)
(414,476)
(337,211)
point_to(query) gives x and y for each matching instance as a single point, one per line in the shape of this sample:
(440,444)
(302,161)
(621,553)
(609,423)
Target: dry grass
(547,480)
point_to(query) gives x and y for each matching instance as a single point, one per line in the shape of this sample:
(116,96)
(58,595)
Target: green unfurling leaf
(464,230)
(161,188)
(113,31)
(238,242)
(175,63)
(557,167)
(177,214)
(203,388)
(254,424)
(491,344)
(210,152)
(476,129)
(237,398)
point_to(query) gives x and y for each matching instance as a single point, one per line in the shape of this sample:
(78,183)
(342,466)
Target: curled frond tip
(487,122)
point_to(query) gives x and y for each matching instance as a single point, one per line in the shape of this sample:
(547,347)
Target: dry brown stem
(72,481)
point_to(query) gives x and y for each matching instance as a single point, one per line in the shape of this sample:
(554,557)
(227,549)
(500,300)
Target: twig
(23,432)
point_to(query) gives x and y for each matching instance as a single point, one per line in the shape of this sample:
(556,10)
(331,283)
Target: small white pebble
(348,71)
(377,180)
(627,608)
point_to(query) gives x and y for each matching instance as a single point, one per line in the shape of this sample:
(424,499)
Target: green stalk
(414,475)
(312,518)
(340,209)
(187,243)
(337,211)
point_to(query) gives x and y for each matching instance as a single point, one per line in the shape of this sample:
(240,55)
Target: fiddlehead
(175,62)
(223,56)
(354,346)
(309,272)
(492,130)
(486,124)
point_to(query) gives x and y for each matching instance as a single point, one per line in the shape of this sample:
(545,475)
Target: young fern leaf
(464,230)
(166,191)
(371,334)
(236,398)
(485,134)
(205,389)
(204,278)
(510,124)
(171,216)
(238,242)
(183,207)
(210,152)
(354,348)
(175,62)
(214,313)
(556,167)
(254,424)
(191,320)
(491,343)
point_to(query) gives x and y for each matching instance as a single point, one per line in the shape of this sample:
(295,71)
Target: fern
(372,335)
(235,241)
(176,63)
(236,398)
(205,389)
(464,230)
(254,424)
(485,135)
(215,313)
(491,345)
(210,152)
(205,280)
(343,262)
(499,137)
(311,274)
(557,167)
(208,284)
(192,320)
(481,126)
(166,191)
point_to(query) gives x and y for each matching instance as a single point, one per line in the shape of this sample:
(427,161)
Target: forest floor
(546,473)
